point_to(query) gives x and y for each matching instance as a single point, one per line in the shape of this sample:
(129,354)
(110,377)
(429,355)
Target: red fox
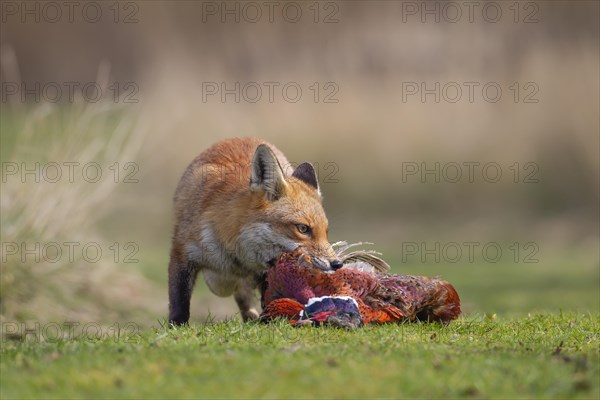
(238,207)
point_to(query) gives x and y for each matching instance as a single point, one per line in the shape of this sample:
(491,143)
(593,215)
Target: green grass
(547,355)
(544,355)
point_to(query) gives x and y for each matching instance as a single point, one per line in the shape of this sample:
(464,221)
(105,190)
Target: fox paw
(250,315)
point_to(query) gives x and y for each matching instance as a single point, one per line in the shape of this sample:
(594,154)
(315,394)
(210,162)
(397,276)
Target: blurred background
(463,141)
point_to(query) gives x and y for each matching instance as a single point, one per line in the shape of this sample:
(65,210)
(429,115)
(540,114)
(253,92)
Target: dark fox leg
(182,276)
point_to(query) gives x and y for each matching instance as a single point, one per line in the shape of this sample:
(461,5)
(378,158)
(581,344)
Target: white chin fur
(259,244)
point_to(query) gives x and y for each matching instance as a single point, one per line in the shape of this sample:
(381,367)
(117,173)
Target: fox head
(288,213)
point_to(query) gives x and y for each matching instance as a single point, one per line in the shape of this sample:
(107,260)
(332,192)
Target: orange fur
(237,208)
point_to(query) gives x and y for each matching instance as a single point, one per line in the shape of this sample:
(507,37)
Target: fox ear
(267,174)
(306,173)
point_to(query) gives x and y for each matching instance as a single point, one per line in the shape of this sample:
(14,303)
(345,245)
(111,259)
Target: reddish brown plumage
(380,297)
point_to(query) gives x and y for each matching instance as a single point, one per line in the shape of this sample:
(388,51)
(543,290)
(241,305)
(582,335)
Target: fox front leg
(245,297)
(182,277)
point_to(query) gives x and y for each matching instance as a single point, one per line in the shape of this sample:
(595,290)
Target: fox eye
(304,229)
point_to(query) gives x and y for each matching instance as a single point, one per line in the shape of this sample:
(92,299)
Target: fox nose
(336,264)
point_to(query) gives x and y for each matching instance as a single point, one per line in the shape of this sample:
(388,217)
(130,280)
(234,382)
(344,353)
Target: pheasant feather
(311,296)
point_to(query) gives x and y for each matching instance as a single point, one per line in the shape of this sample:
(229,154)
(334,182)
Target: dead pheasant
(357,294)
